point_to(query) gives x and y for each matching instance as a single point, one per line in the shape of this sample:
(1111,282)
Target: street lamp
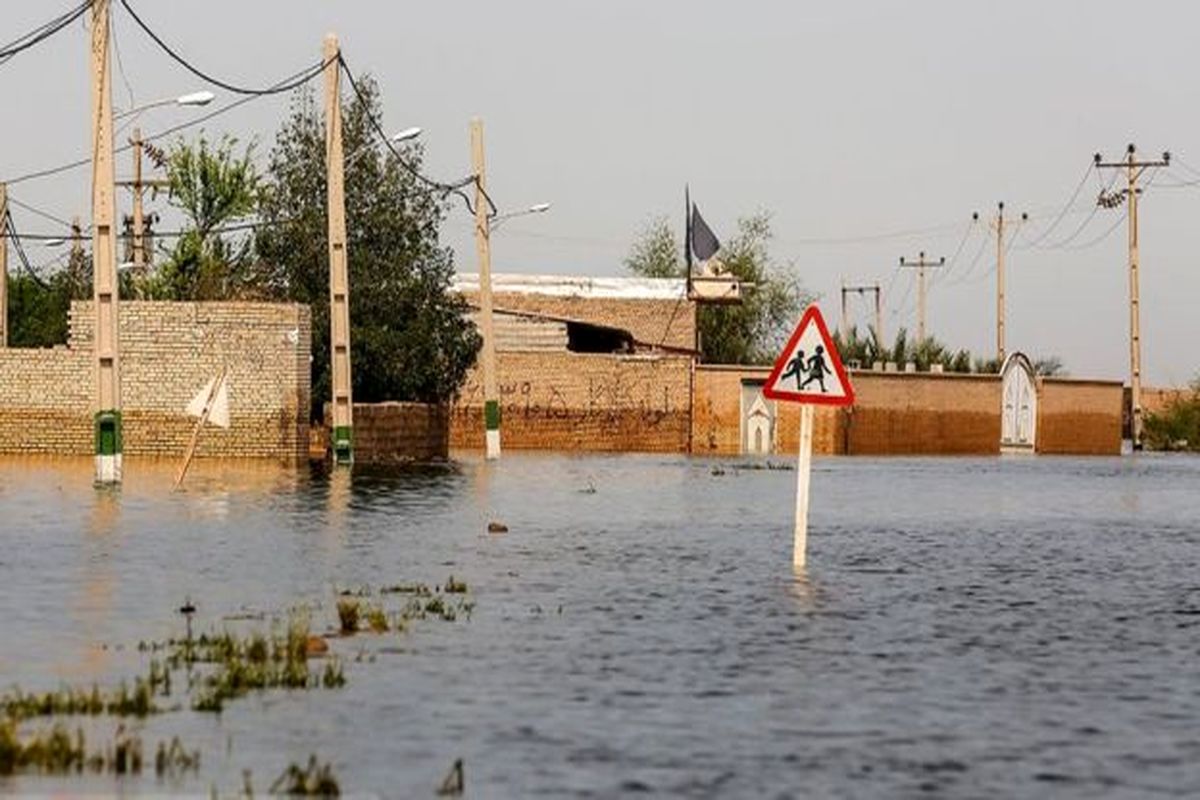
(192,99)
(537,208)
(396,138)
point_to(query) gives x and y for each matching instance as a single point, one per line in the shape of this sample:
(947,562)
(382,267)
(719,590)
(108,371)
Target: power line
(301,78)
(1062,244)
(20,250)
(445,188)
(42,32)
(1062,214)
(82,162)
(39,212)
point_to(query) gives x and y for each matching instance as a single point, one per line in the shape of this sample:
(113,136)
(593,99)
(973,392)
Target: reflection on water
(1003,627)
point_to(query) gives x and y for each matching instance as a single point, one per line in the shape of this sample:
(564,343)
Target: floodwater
(1003,627)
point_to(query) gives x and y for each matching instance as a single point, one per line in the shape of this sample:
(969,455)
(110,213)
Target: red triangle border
(811,314)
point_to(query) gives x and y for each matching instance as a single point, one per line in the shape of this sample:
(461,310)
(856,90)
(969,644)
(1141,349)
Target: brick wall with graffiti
(580,401)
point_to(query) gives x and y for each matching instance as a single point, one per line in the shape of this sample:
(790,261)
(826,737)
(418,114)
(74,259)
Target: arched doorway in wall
(1018,410)
(758,420)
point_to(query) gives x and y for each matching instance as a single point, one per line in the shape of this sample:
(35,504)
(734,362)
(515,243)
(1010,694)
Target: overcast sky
(846,121)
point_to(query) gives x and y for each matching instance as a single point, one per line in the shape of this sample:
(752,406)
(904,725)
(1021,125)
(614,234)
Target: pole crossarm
(921,264)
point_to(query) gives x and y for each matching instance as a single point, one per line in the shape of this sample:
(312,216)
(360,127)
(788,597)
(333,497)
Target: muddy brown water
(1004,627)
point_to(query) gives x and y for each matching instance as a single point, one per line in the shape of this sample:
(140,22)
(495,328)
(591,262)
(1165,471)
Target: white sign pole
(803,473)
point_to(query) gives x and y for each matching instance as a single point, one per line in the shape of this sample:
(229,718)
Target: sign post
(809,371)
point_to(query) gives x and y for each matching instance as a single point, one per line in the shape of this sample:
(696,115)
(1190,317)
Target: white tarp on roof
(625,288)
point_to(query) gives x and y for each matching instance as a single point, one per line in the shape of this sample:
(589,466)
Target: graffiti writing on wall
(606,400)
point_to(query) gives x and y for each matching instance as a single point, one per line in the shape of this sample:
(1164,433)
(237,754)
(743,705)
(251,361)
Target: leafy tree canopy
(410,338)
(749,333)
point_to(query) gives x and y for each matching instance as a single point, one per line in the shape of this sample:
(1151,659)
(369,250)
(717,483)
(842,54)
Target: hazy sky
(847,121)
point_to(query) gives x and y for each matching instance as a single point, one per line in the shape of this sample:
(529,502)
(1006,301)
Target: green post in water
(343,445)
(107,429)
(491,422)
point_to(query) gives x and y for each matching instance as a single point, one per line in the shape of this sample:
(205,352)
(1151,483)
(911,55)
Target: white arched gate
(1018,412)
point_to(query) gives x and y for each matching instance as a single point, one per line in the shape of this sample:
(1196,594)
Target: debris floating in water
(453,784)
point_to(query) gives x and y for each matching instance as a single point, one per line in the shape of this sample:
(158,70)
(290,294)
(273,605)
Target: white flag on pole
(218,413)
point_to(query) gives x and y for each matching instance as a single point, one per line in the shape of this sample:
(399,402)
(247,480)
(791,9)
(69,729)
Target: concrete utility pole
(483,235)
(339,280)
(1133,170)
(998,225)
(3,265)
(861,289)
(921,264)
(138,250)
(106,343)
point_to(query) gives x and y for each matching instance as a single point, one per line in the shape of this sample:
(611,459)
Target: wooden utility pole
(998,225)
(3,265)
(860,289)
(105,306)
(491,399)
(921,264)
(1133,170)
(339,280)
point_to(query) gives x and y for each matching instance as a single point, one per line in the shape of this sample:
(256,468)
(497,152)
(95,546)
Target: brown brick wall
(397,433)
(716,416)
(894,413)
(1079,417)
(657,322)
(169,351)
(924,413)
(582,401)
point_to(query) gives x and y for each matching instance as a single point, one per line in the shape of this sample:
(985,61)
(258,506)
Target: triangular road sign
(810,370)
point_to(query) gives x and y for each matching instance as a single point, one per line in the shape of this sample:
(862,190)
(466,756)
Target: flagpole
(195,440)
(687,237)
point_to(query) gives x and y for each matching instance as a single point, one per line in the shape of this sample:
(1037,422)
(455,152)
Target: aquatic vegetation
(377,620)
(57,752)
(348,615)
(418,589)
(258,664)
(171,760)
(17,705)
(317,780)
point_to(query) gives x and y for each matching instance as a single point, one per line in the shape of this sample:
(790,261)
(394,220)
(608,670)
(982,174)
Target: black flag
(703,241)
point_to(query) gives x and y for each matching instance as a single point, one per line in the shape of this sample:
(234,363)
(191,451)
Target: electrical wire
(19,247)
(35,210)
(1062,214)
(964,276)
(444,188)
(875,237)
(945,272)
(112,29)
(1108,232)
(191,123)
(42,32)
(1063,244)
(301,78)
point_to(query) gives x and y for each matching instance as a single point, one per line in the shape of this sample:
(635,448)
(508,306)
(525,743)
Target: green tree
(656,253)
(213,187)
(753,331)
(37,310)
(410,337)
(1177,426)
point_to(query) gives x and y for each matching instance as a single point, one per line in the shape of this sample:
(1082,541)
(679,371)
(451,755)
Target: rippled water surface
(991,627)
